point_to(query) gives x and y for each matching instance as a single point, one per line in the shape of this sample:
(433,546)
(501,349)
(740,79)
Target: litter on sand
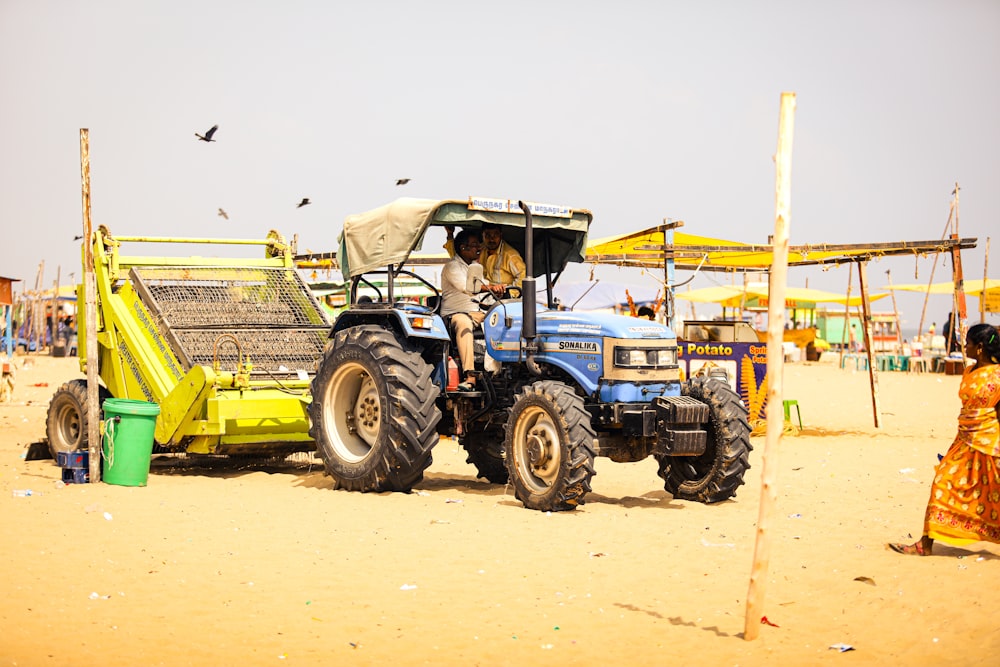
(843,648)
(728,545)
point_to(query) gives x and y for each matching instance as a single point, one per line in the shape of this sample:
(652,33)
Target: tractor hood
(386,236)
(602,324)
(569,323)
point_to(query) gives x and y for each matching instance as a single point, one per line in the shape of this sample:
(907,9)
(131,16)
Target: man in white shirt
(458,307)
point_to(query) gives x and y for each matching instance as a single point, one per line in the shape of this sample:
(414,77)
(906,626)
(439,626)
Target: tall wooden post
(38,310)
(930,281)
(90,308)
(669,272)
(54,306)
(961,317)
(986,274)
(866,306)
(775,366)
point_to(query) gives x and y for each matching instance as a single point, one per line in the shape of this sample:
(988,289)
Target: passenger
(458,307)
(502,263)
(647,312)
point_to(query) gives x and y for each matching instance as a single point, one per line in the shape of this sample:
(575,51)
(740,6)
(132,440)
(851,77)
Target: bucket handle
(108,428)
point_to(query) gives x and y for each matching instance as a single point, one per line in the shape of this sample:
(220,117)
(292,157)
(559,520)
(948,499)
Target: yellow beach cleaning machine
(225,346)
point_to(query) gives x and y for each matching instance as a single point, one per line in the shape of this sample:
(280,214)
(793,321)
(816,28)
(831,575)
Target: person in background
(647,312)
(951,333)
(458,307)
(964,506)
(933,328)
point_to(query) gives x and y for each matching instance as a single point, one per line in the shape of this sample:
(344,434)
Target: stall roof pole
(844,338)
(961,319)
(930,281)
(866,305)
(895,312)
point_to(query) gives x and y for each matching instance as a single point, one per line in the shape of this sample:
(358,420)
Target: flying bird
(223,214)
(402,181)
(77,238)
(305,202)
(208,135)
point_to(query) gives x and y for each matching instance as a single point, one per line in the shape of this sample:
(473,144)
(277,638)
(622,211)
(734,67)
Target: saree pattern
(964,506)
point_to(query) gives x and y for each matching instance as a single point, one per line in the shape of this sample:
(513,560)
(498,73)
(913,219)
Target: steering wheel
(511,292)
(488,299)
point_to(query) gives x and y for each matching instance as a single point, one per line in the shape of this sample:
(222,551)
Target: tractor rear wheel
(485,450)
(549,447)
(715,475)
(66,423)
(373,414)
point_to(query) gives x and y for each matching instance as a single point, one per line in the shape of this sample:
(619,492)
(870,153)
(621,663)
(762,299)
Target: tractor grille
(272,313)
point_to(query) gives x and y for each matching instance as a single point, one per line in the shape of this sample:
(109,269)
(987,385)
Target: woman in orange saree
(964,506)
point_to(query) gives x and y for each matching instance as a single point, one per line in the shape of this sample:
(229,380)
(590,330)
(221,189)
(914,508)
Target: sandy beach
(265,564)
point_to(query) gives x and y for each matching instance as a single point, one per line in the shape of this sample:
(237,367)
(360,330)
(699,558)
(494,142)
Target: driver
(502,263)
(458,307)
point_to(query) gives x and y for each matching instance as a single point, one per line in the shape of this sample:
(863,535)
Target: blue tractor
(555,388)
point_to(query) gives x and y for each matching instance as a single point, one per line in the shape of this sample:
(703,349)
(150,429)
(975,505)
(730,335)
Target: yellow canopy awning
(795,297)
(972,287)
(645,249)
(723,295)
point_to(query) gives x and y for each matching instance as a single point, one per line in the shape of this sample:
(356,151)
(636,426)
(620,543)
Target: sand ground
(266,565)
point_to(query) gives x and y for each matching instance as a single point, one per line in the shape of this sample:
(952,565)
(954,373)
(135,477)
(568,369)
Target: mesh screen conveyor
(280,326)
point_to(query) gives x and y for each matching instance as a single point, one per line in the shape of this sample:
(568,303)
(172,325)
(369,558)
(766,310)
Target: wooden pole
(847,312)
(775,367)
(961,317)
(90,309)
(982,295)
(930,281)
(38,310)
(866,305)
(54,305)
(895,313)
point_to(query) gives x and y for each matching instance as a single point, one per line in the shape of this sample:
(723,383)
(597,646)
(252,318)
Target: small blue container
(75,476)
(78,458)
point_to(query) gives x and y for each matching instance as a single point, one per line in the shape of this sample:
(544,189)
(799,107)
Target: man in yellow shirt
(502,263)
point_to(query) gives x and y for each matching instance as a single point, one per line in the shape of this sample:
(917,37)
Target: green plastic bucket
(127,431)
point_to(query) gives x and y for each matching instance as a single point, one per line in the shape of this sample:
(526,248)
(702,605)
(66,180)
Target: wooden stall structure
(6,313)
(645,249)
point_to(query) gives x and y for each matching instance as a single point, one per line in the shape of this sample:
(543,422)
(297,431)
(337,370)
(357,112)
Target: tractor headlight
(630,357)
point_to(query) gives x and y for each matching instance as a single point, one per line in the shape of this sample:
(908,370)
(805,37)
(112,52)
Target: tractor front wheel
(715,475)
(373,414)
(549,447)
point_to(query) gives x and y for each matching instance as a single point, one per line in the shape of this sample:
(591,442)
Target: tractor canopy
(386,236)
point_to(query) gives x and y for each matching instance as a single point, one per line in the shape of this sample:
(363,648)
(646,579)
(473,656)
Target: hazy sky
(635,110)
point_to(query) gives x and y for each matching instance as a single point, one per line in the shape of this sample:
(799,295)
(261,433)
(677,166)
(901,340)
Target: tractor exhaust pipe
(529,330)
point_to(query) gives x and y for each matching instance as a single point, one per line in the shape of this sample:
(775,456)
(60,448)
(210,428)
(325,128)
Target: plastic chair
(860,361)
(885,362)
(788,410)
(919,364)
